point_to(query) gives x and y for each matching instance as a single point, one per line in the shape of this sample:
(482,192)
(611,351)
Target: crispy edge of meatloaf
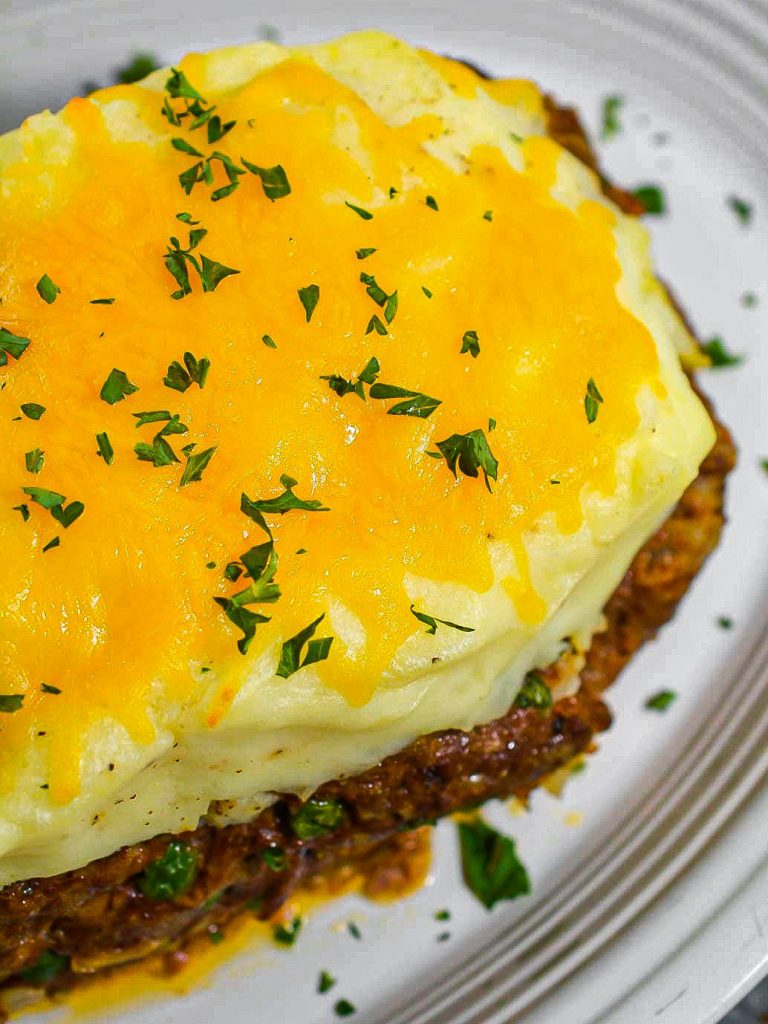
(98,916)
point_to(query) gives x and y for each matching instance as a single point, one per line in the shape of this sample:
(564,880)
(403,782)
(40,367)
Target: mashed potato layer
(335,396)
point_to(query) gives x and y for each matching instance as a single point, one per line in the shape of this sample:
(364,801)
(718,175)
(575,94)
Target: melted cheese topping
(160,720)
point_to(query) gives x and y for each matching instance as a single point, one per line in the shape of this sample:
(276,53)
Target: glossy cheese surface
(480,228)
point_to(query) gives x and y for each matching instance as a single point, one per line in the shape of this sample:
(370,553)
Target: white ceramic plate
(656,907)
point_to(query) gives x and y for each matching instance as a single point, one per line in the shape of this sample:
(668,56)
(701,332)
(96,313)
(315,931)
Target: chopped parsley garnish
(55,504)
(285,502)
(274,180)
(309,297)
(374,324)
(274,857)
(116,387)
(105,449)
(260,564)
(611,110)
(325,982)
(534,693)
(47,290)
(185,147)
(468,453)
(387,302)
(48,967)
(23,510)
(52,544)
(490,865)
(172,421)
(432,203)
(32,410)
(317,817)
(291,654)
(652,199)
(354,931)
(416,404)
(10,702)
(178,261)
(268,341)
(719,355)
(341,386)
(363,254)
(426,291)
(286,935)
(34,460)
(47,688)
(661,701)
(344,1008)
(488,215)
(442,915)
(491,424)
(11,345)
(196,464)
(749,300)
(741,208)
(470,343)
(140,65)
(179,377)
(432,623)
(365,214)
(725,622)
(101,302)
(171,875)
(159,453)
(592,401)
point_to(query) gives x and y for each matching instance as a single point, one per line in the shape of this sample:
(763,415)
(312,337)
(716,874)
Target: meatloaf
(98,917)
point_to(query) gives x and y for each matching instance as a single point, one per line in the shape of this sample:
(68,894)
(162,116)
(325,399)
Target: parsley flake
(178,260)
(661,701)
(286,935)
(341,386)
(470,343)
(10,702)
(47,688)
(490,865)
(101,302)
(468,453)
(652,199)
(116,387)
(380,297)
(34,460)
(317,817)
(364,214)
(268,341)
(432,203)
(55,503)
(139,66)
(611,121)
(592,401)
(194,371)
(374,324)
(488,215)
(171,875)
(741,208)
(363,254)
(274,180)
(344,1008)
(285,502)
(32,410)
(725,622)
(309,296)
(196,464)
(325,982)
(719,355)
(534,693)
(47,290)
(416,404)
(432,623)
(11,345)
(317,650)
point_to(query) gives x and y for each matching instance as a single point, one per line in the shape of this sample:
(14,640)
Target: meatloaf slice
(98,916)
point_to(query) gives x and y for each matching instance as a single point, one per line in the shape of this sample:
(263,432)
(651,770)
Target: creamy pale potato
(409,302)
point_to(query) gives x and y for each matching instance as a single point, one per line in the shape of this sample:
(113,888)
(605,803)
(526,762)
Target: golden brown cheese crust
(98,916)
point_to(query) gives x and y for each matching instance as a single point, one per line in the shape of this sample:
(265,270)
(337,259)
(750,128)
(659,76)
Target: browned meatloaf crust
(98,915)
